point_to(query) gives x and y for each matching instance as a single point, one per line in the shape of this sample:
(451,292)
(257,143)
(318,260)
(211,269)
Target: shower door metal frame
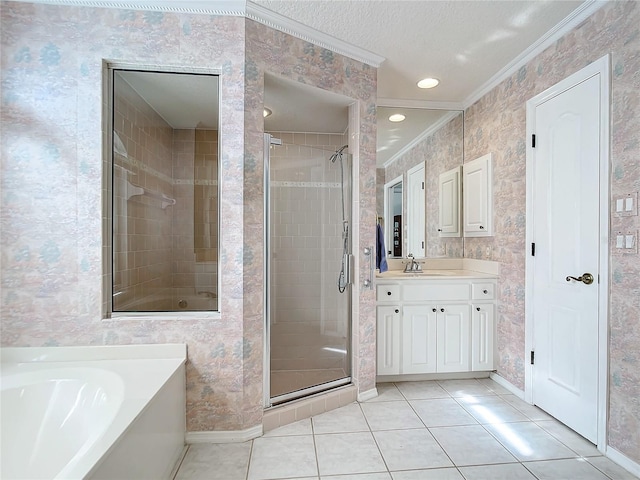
(269,401)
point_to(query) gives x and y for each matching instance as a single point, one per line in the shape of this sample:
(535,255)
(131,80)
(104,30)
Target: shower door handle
(368,283)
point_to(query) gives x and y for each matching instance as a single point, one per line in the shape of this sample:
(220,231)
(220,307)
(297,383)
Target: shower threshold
(305,392)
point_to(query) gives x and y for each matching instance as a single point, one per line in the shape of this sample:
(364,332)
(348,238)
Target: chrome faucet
(412,266)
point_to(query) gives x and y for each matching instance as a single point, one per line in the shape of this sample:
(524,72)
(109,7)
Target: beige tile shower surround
(51,214)
(496,123)
(155,260)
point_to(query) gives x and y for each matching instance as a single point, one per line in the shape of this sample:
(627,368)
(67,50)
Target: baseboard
(507,384)
(231,436)
(367,395)
(622,460)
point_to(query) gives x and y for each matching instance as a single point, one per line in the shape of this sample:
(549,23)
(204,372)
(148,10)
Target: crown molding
(311,35)
(575,18)
(236,8)
(426,104)
(427,133)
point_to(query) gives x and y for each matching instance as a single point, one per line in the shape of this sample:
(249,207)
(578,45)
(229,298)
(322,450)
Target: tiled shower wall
(142,238)
(165,253)
(307,311)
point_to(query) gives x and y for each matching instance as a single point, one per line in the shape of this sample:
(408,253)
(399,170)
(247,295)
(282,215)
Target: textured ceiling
(463,43)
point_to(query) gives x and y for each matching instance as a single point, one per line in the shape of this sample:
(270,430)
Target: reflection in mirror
(165,191)
(430,137)
(393,194)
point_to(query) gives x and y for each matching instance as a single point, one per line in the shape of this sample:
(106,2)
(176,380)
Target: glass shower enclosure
(308,212)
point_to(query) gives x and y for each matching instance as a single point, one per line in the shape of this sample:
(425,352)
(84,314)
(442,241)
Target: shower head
(338,153)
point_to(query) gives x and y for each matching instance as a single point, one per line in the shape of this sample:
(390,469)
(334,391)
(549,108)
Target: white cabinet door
(478,197)
(449,203)
(388,339)
(416,211)
(453,330)
(482,334)
(419,339)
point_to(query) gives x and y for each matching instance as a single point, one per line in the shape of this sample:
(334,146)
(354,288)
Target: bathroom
(53,263)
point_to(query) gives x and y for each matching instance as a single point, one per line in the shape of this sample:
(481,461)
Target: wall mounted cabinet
(449,203)
(477,196)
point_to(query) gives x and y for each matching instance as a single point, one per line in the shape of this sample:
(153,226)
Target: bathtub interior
(49,436)
(75,412)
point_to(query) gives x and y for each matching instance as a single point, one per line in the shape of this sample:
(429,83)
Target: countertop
(432,275)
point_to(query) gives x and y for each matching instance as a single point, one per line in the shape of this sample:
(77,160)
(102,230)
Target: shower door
(308,210)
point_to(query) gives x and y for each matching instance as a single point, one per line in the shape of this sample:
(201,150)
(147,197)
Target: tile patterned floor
(435,430)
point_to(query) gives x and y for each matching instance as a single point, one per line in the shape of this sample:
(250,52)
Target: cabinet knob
(388,293)
(442,309)
(478,308)
(439,229)
(485,291)
(434,310)
(397,311)
(481,227)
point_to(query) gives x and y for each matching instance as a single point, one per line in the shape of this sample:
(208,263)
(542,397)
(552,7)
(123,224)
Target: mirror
(429,137)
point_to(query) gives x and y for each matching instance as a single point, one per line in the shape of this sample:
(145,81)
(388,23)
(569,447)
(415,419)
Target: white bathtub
(112,412)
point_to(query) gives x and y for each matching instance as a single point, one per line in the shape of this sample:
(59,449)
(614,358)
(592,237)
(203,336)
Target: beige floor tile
(471,445)
(422,390)
(571,439)
(348,453)
(342,420)
(391,416)
(410,449)
(206,461)
(282,457)
(567,469)
(506,471)
(527,441)
(613,470)
(431,474)
(442,412)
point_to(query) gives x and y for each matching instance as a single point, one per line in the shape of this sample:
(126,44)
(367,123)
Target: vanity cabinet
(477,208)
(435,326)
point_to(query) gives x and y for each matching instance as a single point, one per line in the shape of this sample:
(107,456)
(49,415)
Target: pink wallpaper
(51,214)
(496,123)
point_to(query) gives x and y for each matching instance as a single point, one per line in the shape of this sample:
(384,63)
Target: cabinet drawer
(387,293)
(440,292)
(483,291)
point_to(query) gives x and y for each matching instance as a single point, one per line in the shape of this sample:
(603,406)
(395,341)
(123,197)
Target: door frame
(599,67)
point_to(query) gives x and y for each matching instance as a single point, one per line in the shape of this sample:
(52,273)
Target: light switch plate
(625,242)
(625,205)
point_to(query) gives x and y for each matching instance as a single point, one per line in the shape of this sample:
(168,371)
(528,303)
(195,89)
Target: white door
(415,211)
(565,205)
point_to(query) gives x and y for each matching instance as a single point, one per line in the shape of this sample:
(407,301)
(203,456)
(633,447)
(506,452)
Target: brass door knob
(585,278)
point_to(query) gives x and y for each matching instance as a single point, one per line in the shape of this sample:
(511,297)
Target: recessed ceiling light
(266,112)
(396,117)
(428,83)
